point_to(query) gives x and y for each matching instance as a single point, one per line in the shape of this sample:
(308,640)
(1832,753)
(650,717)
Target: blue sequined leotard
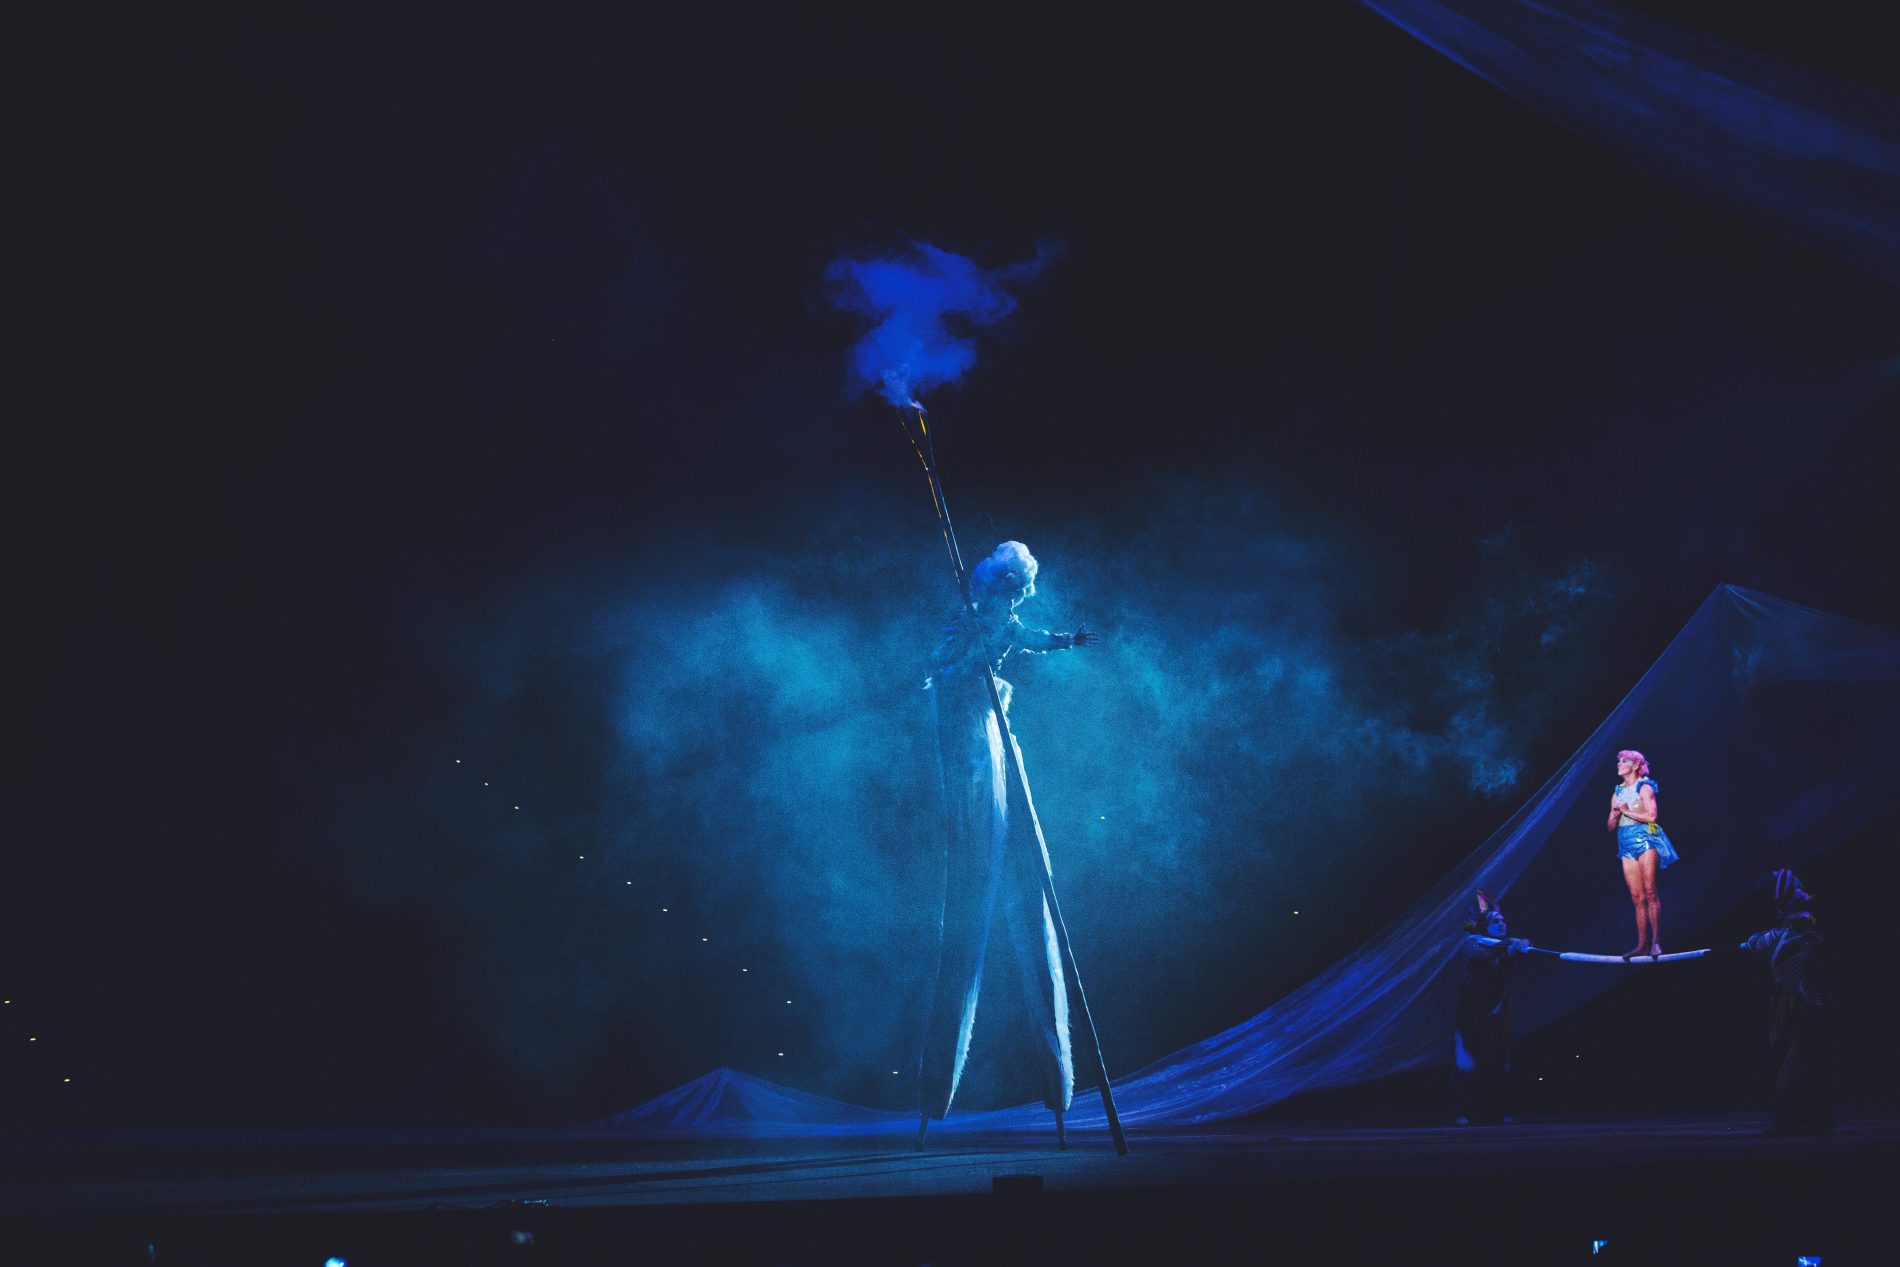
(1632,837)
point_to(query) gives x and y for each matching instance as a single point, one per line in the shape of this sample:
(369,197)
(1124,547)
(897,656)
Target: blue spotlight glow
(335,1262)
(1597,1247)
(1807,1260)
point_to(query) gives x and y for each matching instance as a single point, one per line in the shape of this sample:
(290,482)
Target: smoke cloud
(738,734)
(924,303)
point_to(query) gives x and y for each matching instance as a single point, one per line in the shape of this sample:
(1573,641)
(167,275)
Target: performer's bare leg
(1652,901)
(1633,877)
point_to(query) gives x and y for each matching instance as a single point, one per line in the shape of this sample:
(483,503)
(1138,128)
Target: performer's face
(1623,767)
(1494,925)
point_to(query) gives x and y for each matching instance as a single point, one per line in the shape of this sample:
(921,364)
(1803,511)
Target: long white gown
(989,852)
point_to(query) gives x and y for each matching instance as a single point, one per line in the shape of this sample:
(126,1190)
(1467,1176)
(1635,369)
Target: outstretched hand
(1082,638)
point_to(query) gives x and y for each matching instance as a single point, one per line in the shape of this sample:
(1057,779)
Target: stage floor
(1533,1191)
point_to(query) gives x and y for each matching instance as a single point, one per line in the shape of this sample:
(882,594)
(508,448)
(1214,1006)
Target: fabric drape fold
(1809,156)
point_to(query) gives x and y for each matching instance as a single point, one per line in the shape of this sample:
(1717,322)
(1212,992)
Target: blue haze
(739,727)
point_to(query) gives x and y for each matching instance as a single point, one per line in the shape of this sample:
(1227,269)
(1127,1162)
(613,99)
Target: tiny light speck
(65,1079)
(458,761)
(745,969)
(484,782)
(781,1053)
(34,1039)
(630,882)
(788,1000)
(517,807)
(1296,912)
(702,939)
(583,857)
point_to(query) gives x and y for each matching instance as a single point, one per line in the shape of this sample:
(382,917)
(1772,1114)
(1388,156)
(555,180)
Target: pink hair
(1642,762)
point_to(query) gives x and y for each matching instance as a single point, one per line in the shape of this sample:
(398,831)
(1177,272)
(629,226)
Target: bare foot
(1655,952)
(1634,950)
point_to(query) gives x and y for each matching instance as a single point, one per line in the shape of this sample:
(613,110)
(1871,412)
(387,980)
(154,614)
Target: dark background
(363,354)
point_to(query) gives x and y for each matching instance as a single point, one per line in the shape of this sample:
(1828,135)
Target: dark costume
(1800,1012)
(989,855)
(1481,1041)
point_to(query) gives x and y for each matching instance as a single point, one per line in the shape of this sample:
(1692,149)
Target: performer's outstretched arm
(1039,640)
(1481,945)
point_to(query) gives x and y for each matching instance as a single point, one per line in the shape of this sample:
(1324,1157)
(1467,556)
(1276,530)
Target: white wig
(1009,568)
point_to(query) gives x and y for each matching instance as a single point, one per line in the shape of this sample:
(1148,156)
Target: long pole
(926,453)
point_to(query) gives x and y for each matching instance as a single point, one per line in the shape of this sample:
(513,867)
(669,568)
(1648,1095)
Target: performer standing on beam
(1642,845)
(981,863)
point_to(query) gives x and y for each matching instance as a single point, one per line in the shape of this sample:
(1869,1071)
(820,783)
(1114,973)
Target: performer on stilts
(1643,847)
(1801,1012)
(982,864)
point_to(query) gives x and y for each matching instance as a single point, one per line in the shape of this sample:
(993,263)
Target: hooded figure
(1800,1011)
(1481,1039)
(983,864)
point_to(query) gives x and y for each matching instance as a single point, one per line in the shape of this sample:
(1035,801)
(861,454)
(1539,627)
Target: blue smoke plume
(922,301)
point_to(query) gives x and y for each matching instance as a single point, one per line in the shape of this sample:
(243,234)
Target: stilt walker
(995,851)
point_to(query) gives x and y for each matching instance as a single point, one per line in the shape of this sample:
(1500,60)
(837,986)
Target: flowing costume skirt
(990,856)
(1633,838)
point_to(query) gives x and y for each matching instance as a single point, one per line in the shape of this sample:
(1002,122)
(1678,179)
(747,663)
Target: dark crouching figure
(1482,1039)
(1800,1012)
